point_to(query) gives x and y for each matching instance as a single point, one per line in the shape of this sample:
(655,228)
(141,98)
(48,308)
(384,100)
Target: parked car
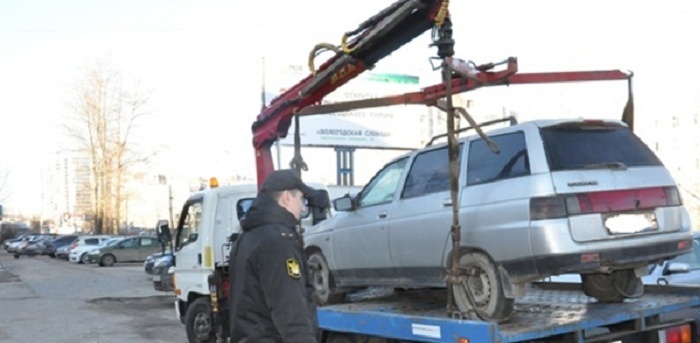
(151,260)
(559,196)
(79,254)
(129,249)
(82,240)
(33,246)
(163,271)
(13,245)
(50,247)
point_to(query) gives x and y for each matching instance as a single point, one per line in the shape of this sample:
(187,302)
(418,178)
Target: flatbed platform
(547,310)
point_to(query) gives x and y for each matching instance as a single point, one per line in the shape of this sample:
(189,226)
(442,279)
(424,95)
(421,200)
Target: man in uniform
(271,296)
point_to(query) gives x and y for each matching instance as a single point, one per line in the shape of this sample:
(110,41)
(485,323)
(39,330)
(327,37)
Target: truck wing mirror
(344,203)
(164,236)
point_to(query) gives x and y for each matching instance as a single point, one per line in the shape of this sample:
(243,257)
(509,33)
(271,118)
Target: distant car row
(103,250)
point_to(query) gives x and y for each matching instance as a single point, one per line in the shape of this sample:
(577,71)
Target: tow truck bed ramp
(547,310)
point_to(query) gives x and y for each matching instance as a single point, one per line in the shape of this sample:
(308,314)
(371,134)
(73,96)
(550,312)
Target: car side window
(92,241)
(147,242)
(484,165)
(129,243)
(382,187)
(429,173)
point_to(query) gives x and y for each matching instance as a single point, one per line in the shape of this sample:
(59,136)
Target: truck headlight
(171,270)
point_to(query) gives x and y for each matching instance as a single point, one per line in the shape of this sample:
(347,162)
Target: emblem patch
(293,268)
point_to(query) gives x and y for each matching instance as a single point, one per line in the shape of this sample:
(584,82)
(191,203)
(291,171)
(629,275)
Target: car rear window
(580,147)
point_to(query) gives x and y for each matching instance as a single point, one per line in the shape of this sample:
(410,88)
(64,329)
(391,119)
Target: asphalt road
(48,300)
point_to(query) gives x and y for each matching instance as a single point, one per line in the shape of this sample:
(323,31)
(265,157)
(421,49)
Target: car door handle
(447,202)
(382,215)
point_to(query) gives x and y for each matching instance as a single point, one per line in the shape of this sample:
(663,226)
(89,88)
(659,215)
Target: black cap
(285,180)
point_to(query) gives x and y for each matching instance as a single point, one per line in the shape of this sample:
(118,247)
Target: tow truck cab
(201,242)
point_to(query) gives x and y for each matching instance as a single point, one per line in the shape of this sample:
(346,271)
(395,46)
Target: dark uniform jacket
(271,297)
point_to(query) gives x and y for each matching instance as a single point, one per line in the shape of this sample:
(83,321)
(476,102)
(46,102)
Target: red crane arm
(376,38)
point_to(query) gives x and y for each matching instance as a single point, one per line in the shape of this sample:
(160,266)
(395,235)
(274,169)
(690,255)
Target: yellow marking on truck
(207,256)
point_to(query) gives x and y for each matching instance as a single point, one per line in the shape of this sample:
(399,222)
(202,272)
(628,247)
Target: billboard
(397,127)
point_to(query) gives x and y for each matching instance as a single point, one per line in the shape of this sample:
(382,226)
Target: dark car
(50,248)
(163,271)
(150,260)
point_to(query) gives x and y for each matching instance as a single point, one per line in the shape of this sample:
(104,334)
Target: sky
(200,61)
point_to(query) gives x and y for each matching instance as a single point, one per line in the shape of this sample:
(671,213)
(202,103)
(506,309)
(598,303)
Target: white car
(79,253)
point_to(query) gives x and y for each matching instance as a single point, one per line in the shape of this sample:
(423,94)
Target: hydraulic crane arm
(375,39)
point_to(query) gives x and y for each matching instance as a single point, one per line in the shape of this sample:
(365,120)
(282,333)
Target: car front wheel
(321,279)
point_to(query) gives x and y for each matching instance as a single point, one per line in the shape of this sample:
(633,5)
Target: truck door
(188,243)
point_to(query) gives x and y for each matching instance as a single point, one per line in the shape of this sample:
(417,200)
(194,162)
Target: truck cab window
(191,223)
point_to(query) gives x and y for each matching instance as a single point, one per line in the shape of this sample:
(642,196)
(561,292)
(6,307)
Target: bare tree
(4,177)
(104,117)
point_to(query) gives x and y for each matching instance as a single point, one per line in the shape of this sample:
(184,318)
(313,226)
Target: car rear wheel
(321,280)
(485,289)
(612,288)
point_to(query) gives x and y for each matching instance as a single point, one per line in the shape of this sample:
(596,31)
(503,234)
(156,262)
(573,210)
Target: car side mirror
(344,203)
(677,268)
(243,206)
(164,236)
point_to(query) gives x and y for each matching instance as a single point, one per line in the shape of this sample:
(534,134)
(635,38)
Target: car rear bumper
(594,260)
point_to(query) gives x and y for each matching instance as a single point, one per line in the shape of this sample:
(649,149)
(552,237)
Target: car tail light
(679,334)
(547,208)
(603,202)
(673,198)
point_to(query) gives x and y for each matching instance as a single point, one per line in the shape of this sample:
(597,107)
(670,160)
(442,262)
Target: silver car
(561,196)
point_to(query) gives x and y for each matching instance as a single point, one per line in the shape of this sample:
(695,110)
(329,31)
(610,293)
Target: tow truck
(551,312)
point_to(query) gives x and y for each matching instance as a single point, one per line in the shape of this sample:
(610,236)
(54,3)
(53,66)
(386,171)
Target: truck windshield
(190,224)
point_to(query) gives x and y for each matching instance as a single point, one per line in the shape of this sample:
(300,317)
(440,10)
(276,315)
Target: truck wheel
(485,287)
(321,280)
(198,322)
(612,288)
(107,260)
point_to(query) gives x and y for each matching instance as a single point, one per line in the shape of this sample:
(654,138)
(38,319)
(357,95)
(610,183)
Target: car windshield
(595,147)
(112,242)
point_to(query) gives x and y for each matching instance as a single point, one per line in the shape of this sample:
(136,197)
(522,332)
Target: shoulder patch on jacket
(293,268)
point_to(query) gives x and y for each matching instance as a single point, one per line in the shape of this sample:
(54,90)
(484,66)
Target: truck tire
(198,322)
(612,288)
(321,278)
(486,289)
